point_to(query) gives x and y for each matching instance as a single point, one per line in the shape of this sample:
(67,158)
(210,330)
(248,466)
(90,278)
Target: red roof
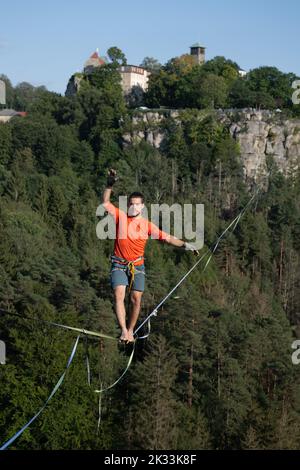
(96,56)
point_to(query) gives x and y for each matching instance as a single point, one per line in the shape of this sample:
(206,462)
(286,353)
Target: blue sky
(45,42)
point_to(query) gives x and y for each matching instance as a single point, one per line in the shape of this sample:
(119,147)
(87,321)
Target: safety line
(59,325)
(58,384)
(121,376)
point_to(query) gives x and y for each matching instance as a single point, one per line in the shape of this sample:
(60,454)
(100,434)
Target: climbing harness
(129,266)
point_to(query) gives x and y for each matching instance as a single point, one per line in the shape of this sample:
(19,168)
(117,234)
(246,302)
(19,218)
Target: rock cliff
(260,133)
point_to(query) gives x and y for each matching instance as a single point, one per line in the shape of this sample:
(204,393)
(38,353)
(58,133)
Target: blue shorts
(120,276)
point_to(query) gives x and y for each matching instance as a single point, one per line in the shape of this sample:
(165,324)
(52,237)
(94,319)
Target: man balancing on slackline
(127,269)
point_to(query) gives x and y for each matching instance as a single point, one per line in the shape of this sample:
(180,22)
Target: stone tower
(198,52)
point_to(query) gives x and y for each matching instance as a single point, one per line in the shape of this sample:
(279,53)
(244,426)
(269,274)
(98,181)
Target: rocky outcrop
(260,133)
(149,126)
(73,85)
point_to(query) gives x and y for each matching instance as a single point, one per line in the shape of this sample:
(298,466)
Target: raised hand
(111,177)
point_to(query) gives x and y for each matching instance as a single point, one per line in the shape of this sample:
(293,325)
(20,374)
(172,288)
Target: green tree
(26,94)
(151,64)
(154,407)
(212,92)
(240,94)
(272,87)
(116,55)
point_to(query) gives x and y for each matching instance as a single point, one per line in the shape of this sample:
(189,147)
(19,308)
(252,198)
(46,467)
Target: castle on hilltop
(135,75)
(131,75)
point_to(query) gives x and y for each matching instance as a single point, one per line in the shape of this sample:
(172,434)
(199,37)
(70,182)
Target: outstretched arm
(180,243)
(168,238)
(174,241)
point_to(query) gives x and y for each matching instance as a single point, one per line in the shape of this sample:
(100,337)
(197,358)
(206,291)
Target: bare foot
(130,336)
(124,336)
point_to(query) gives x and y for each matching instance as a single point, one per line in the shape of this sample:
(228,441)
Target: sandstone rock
(158,138)
(127,138)
(149,138)
(260,133)
(73,85)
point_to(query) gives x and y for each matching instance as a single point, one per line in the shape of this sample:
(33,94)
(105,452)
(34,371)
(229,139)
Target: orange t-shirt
(132,234)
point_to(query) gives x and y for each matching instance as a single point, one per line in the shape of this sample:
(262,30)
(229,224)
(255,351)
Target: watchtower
(198,52)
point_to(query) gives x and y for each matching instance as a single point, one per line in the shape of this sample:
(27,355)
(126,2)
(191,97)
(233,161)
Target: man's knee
(136,299)
(119,295)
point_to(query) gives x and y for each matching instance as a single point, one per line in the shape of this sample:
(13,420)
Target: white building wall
(133,76)
(2,92)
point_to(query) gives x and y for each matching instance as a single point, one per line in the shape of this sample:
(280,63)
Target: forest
(216,371)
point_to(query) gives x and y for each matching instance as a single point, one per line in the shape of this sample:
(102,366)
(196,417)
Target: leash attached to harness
(128,266)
